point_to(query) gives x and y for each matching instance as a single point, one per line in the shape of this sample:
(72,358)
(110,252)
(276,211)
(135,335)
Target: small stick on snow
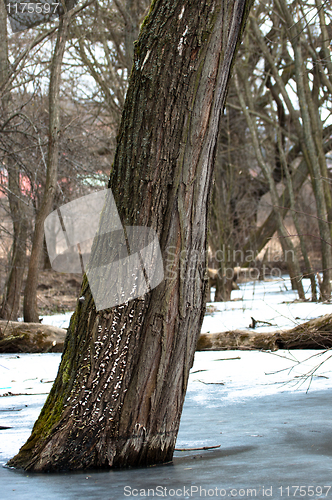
(198,449)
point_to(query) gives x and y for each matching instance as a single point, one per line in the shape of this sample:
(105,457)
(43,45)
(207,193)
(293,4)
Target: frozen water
(272,434)
(275,438)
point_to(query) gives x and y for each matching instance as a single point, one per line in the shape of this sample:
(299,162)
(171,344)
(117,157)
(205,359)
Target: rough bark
(120,389)
(30,311)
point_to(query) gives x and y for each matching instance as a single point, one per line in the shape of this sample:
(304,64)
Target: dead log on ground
(314,334)
(16,336)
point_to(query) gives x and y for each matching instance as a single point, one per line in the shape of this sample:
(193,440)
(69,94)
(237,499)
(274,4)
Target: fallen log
(314,334)
(16,336)
(236,340)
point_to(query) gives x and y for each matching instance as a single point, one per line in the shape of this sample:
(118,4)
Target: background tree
(10,303)
(285,62)
(86,144)
(30,296)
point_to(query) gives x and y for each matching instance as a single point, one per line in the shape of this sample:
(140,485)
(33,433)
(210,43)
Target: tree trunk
(309,148)
(224,289)
(4,63)
(118,396)
(286,242)
(11,300)
(309,271)
(30,311)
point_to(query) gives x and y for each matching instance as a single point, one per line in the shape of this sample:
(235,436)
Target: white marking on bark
(146,58)
(181,42)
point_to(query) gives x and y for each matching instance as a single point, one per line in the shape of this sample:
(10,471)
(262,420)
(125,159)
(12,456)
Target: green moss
(65,372)
(147,18)
(44,424)
(53,407)
(73,320)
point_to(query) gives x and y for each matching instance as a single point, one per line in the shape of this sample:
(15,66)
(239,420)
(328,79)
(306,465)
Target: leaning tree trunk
(118,396)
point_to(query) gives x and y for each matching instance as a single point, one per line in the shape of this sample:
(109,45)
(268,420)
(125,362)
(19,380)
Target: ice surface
(217,379)
(271,435)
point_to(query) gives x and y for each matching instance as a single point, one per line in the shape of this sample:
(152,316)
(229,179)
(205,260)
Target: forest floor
(57,292)
(271,303)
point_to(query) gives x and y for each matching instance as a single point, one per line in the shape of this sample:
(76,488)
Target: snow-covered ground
(271,301)
(59,320)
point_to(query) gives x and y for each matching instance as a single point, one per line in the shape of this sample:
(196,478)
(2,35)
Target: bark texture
(118,396)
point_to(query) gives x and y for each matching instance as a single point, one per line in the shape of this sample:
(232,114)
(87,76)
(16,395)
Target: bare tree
(10,303)
(291,59)
(30,295)
(120,389)
(309,134)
